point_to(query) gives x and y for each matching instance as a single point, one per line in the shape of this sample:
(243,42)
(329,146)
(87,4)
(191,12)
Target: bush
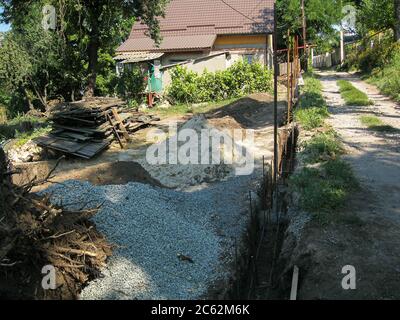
(366,58)
(380,64)
(20,124)
(131,84)
(387,78)
(239,80)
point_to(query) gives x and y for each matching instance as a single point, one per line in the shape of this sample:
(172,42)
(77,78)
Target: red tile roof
(184,18)
(199,42)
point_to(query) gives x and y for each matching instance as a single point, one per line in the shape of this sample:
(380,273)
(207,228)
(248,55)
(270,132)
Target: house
(201,34)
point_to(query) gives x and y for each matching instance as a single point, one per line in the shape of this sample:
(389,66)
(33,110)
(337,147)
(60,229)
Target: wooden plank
(84,150)
(121,125)
(295,281)
(115,132)
(80,129)
(74,136)
(75,119)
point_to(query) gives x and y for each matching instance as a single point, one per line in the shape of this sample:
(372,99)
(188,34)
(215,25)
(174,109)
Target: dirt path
(373,247)
(374,156)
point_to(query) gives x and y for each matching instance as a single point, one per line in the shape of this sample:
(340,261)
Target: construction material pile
(34,234)
(85,128)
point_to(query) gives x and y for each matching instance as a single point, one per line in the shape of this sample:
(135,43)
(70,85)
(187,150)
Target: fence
(327,60)
(283,67)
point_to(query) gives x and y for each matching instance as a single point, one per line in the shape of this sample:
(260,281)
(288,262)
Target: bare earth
(370,243)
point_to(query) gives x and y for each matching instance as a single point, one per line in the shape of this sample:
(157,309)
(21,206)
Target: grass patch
(311,118)
(19,125)
(182,109)
(24,137)
(312,109)
(376,124)
(325,186)
(322,147)
(351,95)
(325,189)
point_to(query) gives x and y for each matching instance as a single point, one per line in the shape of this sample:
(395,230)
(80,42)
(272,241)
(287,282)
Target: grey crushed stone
(151,226)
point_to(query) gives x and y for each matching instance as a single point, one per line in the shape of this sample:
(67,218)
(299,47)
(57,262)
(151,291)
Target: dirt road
(372,246)
(375,156)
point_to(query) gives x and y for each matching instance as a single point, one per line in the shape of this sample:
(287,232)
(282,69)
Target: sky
(3,26)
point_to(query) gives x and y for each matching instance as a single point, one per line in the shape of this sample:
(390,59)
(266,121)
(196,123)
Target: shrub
(387,78)
(131,84)
(20,124)
(240,79)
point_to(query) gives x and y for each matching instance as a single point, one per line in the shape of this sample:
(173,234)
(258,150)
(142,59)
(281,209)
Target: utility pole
(341,45)
(304,24)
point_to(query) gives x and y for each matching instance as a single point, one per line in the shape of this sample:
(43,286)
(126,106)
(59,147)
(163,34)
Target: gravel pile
(181,176)
(151,226)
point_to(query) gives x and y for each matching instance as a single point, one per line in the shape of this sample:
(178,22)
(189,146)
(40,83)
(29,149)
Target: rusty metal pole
(294,68)
(275,177)
(288,79)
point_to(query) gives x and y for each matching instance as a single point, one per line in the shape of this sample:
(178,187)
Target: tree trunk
(93,53)
(94,12)
(28,99)
(397,19)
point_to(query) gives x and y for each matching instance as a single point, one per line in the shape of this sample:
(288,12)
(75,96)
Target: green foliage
(15,65)
(322,16)
(387,77)
(312,109)
(239,80)
(20,124)
(375,16)
(323,146)
(182,109)
(376,124)
(25,137)
(3,114)
(38,65)
(351,95)
(131,84)
(325,189)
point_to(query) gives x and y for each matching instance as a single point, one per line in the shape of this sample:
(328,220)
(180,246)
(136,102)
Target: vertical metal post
(275,177)
(288,78)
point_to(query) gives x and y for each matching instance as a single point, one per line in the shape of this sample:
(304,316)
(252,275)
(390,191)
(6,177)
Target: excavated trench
(257,271)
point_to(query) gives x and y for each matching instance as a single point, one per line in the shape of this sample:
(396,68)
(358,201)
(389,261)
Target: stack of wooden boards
(85,128)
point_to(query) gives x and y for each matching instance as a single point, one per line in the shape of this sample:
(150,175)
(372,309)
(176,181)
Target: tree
(375,16)
(321,18)
(28,58)
(88,27)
